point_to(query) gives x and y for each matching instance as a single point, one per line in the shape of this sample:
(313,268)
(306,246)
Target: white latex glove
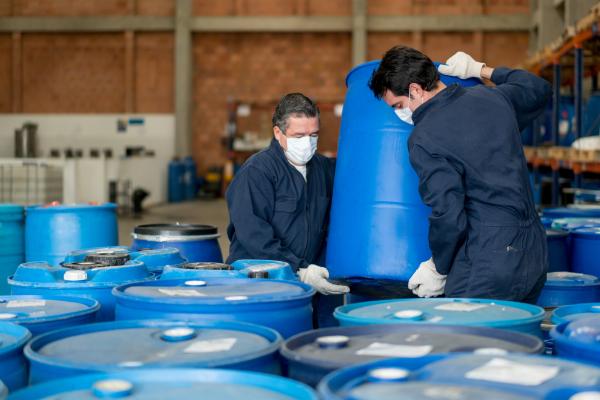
(462,66)
(426,281)
(316,277)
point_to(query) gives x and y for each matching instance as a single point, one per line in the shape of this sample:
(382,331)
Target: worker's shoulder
(264,162)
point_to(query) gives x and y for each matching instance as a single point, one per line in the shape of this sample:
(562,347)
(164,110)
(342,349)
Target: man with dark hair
(279,200)
(485,236)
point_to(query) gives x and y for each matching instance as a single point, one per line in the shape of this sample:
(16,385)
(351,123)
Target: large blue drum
(578,339)
(196,243)
(13,365)
(558,250)
(12,245)
(52,231)
(585,248)
(379,225)
(563,288)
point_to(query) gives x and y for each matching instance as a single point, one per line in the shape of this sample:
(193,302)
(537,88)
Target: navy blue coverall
(484,232)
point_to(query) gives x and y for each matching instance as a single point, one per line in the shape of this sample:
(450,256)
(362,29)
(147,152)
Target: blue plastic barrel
(13,365)
(563,288)
(12,245)
(196,243)
(154,259)
(190,178)
(500,314)
(558,250)
(121,345)
(571,212)
(86,279)
(282,305)
(52,231)
(464,377)
(569,224)
(176,181)
(379,226)
(265,269)
(171,383)
(311,355)
(585,248)
(578,339)
(41,314)
(575,311)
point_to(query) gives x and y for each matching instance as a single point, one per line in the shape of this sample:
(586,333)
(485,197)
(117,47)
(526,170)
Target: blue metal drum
(563,288)
(12,245)
(87,279)
(196,243)
(571,212)
(575,311)
(121,345)
(264,269)
(465,377)
(379,227)
(154,259)
(282,305)
(52,231)
(176,181)
(41,314)
(558,250)
(500,314)
(578,339)
(585,248)
(13,365)
(171,383)
(311,355)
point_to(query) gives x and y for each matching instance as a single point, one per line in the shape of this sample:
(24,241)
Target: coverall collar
(437,101)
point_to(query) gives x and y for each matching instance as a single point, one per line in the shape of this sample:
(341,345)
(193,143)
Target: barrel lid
(556,233)
(10,208)
(27,309)
(221,291)
(213,384)
(476,312)
(12,337)
(574,223)
(334,348)
(589,231)
(148,343)
(564,278)
(175,230)
(575,311)
(584,330)
(51,208)
(207,266)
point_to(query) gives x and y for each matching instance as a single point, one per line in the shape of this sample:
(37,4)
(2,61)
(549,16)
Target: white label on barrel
(511,372)
(25,303)
(460,306)
(211,346)
(181,292)
(394,350)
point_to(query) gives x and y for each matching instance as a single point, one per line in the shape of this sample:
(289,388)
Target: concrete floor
(211,212)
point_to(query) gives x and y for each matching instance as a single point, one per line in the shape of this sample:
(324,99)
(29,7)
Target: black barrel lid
(211,266)
(175,229)
(84,265)
(108,257)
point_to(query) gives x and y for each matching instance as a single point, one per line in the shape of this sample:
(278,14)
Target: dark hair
(400,67)
(293,105)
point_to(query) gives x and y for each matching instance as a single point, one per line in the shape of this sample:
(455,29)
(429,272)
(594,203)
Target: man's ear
(277,132)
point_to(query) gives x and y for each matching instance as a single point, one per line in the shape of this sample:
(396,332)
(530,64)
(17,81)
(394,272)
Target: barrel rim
(32,348)
(565,284)
(560,340)
(92,306)
(20,333)
(559,314)
(176,230)
(70,207)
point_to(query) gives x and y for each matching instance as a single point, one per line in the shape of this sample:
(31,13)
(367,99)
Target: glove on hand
(426,281)
(462,66)
(316,277)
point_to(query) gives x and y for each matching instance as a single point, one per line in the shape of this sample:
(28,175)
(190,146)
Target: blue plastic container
(172,383)
(190,178)
(546,222)
(574,311)
(578,339)
(379,225)
(265,269)
(196,243)
(154,259)
(311,355)
(282,305)
(569,224)
(464,377)
(112,346)
(500,314)
(78,279)
(176,181)
(52,231)
(572,212)
(558,250)
(41,314)
(13,365)
(12,245)
(564,288)
(585,248)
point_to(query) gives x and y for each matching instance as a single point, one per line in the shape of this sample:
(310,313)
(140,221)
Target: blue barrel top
(574,311)
(522,377)
(40,314)
(13,366)
(239,269)
(578,339)
(563,288)
(471,312)
(574,223)
(117,345)
(379,226)
(571,212)
(213,384)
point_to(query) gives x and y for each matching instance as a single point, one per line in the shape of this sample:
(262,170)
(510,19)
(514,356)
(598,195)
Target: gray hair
(293,105)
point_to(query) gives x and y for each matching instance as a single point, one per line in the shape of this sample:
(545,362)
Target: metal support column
(555,130)
(578,92)
(359,31)
(183,78)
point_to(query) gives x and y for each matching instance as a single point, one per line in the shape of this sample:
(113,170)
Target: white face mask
(405,115)
(301,150)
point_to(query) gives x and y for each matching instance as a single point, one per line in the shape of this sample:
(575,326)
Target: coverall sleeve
(527,93)
(251,205)
(441,188)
